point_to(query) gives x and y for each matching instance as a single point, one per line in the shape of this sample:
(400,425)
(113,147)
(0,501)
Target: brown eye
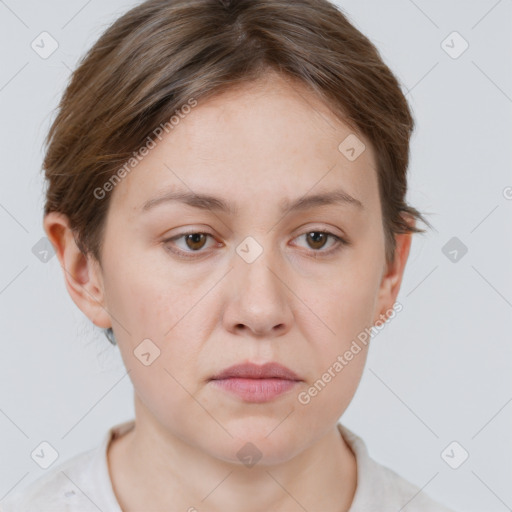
(195,241)
(317,239)
(188,245)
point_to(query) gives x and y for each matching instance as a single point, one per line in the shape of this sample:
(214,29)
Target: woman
(226,196)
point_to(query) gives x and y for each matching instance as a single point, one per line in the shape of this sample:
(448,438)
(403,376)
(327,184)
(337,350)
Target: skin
(255,146)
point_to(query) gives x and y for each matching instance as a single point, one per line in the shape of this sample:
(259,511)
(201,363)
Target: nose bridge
(257,265)
(259,300)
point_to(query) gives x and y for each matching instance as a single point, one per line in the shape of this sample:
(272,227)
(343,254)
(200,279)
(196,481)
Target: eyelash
(340,242)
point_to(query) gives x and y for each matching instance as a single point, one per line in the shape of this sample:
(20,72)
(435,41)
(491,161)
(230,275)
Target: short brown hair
(161,53)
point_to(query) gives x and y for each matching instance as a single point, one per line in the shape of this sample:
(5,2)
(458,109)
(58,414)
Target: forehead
(272,139)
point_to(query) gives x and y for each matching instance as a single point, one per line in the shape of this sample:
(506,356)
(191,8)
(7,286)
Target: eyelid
(341,241)
(187,254)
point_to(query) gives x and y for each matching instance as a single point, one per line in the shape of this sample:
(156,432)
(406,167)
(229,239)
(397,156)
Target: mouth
(256,383)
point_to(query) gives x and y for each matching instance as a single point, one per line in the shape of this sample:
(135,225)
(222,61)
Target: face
(246,277)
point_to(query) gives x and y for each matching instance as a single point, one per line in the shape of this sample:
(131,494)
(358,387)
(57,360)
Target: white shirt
(82,484)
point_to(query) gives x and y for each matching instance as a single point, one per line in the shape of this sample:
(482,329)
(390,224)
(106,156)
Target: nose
(258,302)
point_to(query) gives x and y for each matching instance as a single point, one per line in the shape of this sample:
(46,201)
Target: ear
(82,274)
(392,276)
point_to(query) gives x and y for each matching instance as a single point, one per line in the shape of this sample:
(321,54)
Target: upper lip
(255,371)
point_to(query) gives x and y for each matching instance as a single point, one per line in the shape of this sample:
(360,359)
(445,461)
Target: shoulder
(80,484)
(381,488)
(56,491)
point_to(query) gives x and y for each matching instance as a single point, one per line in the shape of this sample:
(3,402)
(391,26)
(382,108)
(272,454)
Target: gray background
(439,372)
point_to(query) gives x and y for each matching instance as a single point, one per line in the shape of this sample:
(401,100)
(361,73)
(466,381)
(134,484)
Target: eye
(193,242)
(318,239)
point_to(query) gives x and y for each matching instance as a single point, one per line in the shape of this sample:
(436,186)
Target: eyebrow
(209,202)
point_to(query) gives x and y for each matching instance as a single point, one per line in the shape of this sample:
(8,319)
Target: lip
(256,383)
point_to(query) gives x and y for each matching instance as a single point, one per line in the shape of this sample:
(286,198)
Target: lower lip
(256,390)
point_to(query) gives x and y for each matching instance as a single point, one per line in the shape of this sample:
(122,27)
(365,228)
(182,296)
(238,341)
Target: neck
(151,470)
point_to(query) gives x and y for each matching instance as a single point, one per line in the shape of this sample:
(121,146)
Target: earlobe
(82,273)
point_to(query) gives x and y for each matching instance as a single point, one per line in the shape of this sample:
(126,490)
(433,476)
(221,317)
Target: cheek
(345,304)
(326,397)
(338,335)
(150,302)
(162,393)
(162,346)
